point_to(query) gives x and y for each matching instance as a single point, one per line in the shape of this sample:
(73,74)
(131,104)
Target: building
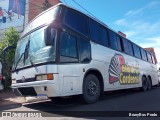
(17,13)
(38,6)
(152,51)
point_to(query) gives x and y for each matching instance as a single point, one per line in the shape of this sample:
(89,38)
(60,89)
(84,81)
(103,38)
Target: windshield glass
(37,51)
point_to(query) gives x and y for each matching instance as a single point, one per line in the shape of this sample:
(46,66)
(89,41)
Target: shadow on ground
(74,107)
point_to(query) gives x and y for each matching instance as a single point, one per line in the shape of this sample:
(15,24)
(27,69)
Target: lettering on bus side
(123,72)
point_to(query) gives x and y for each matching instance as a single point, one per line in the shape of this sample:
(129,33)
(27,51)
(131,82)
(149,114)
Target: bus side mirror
(49,36)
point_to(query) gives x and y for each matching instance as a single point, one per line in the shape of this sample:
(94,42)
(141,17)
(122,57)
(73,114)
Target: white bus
(63,52)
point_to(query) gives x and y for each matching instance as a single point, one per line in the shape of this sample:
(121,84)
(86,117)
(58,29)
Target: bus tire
(91,89)
(144,83)
(149,86)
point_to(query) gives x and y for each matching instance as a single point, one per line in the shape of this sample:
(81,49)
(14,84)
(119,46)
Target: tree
(11,37)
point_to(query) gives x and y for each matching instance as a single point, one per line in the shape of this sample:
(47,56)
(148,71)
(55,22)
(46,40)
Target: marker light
(14,81)
(45,77)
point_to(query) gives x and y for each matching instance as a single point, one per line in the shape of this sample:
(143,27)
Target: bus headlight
(14,81)
(45,77)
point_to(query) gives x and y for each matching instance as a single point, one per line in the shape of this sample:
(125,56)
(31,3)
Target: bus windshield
(37,51)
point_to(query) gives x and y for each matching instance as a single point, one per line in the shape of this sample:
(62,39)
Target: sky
(138,19)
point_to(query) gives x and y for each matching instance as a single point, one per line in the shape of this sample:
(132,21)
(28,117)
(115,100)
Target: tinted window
(98,33)
(144,56)
(114,40)
(136,50)
(130,48)
(149,57)
(125,46)
(76,21)
(153,59)
(85,51)
(68,45)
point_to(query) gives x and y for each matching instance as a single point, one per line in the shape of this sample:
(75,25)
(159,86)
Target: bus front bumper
(39,88)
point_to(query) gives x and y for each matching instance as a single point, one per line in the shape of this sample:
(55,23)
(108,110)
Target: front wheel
(91,89)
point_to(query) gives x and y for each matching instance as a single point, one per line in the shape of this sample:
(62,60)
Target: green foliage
(11,37)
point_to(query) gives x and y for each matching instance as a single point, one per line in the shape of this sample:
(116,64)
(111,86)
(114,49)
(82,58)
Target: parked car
(1,77)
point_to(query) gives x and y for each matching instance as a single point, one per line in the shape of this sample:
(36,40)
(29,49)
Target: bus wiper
(18,60)
(26,48)
(30,59)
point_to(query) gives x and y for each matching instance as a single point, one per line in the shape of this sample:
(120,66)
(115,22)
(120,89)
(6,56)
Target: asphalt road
(119,102)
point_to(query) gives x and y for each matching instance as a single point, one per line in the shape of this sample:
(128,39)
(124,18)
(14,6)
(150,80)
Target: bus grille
(26,80)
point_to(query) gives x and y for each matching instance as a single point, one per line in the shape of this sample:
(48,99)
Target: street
(124,100)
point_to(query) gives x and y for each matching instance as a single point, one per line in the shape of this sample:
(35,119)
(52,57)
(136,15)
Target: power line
(84,8)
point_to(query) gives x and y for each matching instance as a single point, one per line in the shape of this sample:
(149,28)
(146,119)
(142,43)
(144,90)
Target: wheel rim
(93,88)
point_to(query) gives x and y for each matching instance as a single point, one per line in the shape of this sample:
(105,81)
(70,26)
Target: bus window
(76,21)
(153,59)
(85,51)
(68,48)
(114,40)
(98,34)
(104,37)
(149,57)
(125,46)
(144,57)
(130,48)
(136,50)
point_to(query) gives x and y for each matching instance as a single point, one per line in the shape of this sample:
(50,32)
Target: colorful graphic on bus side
(123,72)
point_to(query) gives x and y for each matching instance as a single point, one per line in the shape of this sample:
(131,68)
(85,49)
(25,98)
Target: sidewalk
(8,100)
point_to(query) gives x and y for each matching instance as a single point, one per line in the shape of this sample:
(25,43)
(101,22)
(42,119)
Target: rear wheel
(144,83)
(149,86)
(91,89)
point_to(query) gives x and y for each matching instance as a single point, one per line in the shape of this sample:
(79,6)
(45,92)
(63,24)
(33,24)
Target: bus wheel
(144,84)
(91,89)
(149,86)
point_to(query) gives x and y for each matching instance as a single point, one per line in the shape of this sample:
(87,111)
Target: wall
(36,7)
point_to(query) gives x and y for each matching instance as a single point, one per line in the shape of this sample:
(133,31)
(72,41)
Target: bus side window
(144,57)
(85,51)
(130,48)
(136,50)
(114,41)
(68,48)
(76,21)
(149,57)
(125,46)
(98,34)
(153,59)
